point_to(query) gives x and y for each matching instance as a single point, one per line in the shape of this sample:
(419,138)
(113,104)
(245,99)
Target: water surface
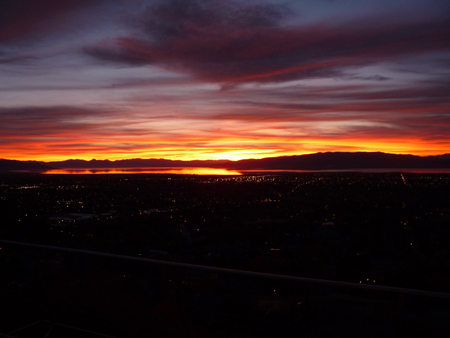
(180,171)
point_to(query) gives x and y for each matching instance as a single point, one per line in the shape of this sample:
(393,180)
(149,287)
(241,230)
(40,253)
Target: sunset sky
(217,79)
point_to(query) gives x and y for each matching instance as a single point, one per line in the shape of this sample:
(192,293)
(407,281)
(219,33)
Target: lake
(222,171)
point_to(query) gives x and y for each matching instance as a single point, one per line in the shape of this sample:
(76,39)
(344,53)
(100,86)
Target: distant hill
(344,160)
(318,161)
(12,165)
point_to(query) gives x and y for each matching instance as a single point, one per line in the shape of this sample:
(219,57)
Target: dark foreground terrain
(389,229)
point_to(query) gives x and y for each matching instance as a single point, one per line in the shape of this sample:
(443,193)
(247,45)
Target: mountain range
(318,161)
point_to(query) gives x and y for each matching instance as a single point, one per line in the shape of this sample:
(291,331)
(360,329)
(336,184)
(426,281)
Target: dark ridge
(12,165)
(318,161)
(342,160)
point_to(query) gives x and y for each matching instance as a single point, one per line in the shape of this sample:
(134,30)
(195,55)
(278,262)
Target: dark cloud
(21,18)
(417,94)
(368,78)
(414,96)
(233,42)
(6,58)
(176,19)
(35,121)
(367,111)
(118,84)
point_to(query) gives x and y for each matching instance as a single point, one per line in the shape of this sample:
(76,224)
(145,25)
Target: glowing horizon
(236,155)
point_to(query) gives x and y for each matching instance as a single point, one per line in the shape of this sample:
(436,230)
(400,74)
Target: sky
(218,79)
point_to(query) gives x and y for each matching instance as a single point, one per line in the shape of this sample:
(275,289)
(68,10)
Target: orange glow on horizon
(230,155)
(233,149)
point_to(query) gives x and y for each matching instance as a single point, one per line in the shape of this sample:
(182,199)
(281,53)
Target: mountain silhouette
(317,161)
(345,160)
(13,165)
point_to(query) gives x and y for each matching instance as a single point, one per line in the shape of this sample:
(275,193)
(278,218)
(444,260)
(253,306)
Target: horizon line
(229,160)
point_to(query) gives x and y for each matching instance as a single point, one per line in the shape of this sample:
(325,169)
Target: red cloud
(20,18)
(240,43)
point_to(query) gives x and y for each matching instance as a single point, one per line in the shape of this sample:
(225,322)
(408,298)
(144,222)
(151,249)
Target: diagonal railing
(168,298)
(213,269)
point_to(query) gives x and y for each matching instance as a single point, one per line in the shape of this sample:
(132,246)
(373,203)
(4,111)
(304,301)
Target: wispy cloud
(235,42)
(23,18)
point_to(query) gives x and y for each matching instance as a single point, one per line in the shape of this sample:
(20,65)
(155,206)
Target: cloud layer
(238,43)
(198,79)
